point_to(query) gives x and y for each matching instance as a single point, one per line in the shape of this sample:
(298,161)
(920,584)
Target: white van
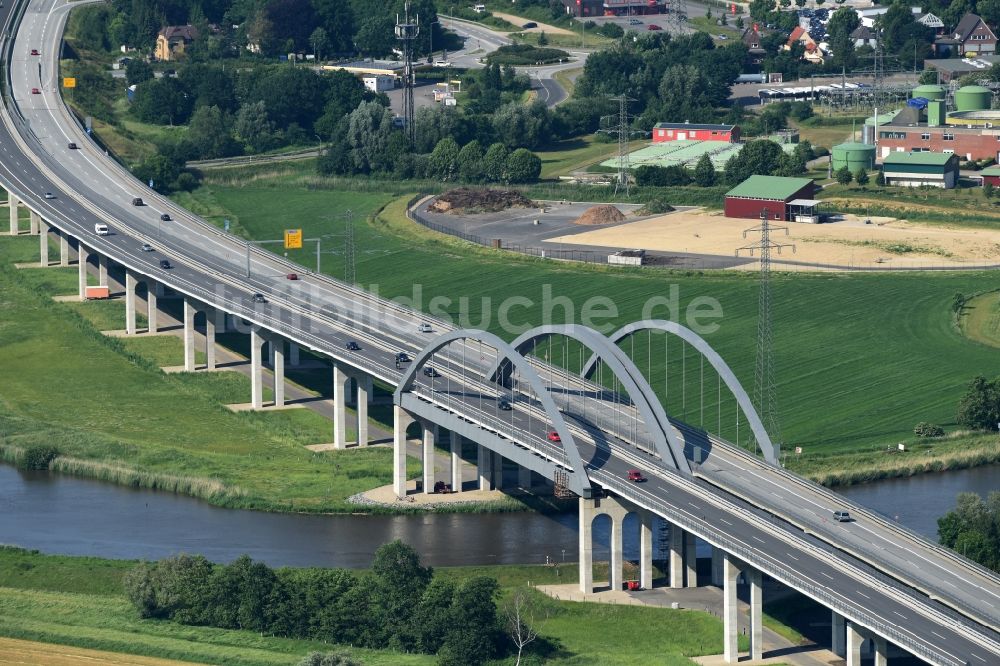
(479,9)
(101,229)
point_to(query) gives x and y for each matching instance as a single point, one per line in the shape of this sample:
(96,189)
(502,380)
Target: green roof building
(921,168)
(779,197)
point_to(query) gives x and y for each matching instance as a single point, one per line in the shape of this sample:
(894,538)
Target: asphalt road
(323,315)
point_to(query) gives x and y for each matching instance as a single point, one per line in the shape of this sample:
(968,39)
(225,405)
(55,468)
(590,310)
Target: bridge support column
(855,639)
(484,465)
(35,223)
(63,249)
(838,639)
(881,651)
(43,243)
(646,550)
(586,513)
(364,397)
(130,286)
(13,205)
(676,556)
(498,471)
(151,308)
(210,327)
(401,420)
(102,270)
(756,607)
(256,371)
(293,354)
(717,556)
(455,446)
(84,255)
(428,457)
(189,313)
(690,561)
(278,345)
(524,477)
(340,386)
(730,573)
(615,577)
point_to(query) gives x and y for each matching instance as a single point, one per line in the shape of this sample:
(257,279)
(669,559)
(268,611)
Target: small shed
(990,175)
(921,168)
(782,198)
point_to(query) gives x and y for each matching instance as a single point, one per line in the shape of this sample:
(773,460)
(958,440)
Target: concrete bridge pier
(484,468)
(731,568)
(189,313)
(616,511)
(646,550)
(43,242)
(363,397)
(455,448)
(102,270)
(293,354)
(34,223)
(429,431)
(881,648)
(341,384)
(13,206)
(130,286)
(401,420)
(690,561)
(151,306)
(256,368)
(211,317)
(84,256)
(676,557)
(524,477)
(63,248)
(855,639)
(717,557)
(838,637)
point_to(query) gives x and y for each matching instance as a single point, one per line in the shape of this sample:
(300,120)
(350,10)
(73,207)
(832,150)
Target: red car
(553,436)
(36,91)
(635,476)
(292,276)
(653,26)
(35,52)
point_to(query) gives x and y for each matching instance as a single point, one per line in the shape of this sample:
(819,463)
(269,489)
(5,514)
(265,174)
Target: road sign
(293,239)
(69,82)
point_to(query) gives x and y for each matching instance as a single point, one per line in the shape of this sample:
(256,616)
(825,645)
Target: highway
(323,315)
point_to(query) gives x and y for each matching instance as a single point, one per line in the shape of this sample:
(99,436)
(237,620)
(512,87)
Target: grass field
(78,601)
(980,319)
(576,155)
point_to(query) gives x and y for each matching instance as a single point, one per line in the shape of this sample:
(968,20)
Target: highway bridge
(582,429)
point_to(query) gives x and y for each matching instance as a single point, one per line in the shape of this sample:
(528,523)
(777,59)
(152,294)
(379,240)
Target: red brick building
(692,132)
(969,143)
(782,198)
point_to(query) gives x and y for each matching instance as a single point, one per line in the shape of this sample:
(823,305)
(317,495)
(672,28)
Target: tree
(318,41)
(842,23)
(375,35)
(861,177)
(979,408)
(137,71)
(253,128)
(210,133)
(704,172)
(523,125)
(398,584)
(760,157)
(844,175)
(470,162)
(162,101)
(337,18)
(972,528)
(368,129)
(443,160)
(432,618)
(523,166)
(518,616)
(759,9)
(495,163)
(474,634)
(988,190)
(542,39)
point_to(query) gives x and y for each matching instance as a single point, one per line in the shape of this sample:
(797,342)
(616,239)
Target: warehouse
(691,132)
(917,169)
(788,199)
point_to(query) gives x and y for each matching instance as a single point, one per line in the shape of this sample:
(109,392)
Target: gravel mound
(468,200)
(603,214)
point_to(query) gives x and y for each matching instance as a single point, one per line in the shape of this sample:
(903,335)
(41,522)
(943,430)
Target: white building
(379,82)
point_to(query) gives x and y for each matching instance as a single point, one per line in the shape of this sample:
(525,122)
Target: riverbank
(79,601)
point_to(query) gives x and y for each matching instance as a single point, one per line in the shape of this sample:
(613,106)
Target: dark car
(36,91)
(431,372)
(35,52)
(529,24)
(259,298)
(292,276)
(164,263)
(352,346)
(402,357)
(504,405)
(71,145)
(165,217)
(137,201)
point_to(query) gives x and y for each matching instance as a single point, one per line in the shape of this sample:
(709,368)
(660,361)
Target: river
(73,516)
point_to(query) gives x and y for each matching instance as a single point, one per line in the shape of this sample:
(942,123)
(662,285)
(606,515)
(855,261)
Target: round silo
(854,156)
(973,98)
(930,92)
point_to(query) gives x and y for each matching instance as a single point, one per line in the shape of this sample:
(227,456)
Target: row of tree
(399,604)
(973,529)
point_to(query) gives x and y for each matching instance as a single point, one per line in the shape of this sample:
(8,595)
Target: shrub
(924,429)
(38,457)
(328,659)
(656,206)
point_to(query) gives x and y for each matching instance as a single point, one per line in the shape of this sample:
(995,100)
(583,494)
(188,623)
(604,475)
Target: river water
(73,516)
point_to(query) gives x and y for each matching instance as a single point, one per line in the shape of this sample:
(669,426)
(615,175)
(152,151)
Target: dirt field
(886,242)
(542,27)
(14,651)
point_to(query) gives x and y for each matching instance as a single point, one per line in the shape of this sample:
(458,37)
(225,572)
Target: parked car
(426,328)
(259,298)
(165,217)
(49,195)
(165,264)
(146,247)
(442,63)
(553,436)
(504,405)
(635,476)
(71,145)
(431,372)
(529,24)
(292,276)
(352,346)
(634,21)
(653,26)
(137,201)
(842,516)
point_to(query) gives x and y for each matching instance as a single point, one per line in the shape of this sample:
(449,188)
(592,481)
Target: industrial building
(854,156)
(971,130)
(663,132)
(920,169)
(778,197)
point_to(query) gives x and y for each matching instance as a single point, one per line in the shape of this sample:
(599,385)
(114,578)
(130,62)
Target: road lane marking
(827,575)
(723,520)
(864,595)
(792,556)
(900,614)
(757,538)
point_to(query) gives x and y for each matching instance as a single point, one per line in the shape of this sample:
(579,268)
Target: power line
(764,385)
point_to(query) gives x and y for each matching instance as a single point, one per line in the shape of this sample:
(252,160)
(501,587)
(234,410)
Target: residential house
(928,20)
(812,53)
(971,37)
(755,49)
(863,36)
(172,40)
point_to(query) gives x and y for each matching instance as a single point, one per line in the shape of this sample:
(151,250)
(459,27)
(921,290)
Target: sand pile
(468,200)
(603,214)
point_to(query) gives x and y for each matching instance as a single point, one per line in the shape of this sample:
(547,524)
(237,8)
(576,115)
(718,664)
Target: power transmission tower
(406,32)
(677,11)
(623,131)
(764,390)
(349,272)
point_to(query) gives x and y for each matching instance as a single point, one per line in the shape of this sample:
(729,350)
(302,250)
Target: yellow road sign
(69,82)
(293,239)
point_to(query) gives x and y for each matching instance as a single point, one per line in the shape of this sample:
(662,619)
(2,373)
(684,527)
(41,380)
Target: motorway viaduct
(582,431)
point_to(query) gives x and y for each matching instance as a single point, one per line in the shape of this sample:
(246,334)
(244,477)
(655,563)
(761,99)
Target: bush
(38,457)
(658,176)
(328,659)
(656,206)
(924,429)
(526,54)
